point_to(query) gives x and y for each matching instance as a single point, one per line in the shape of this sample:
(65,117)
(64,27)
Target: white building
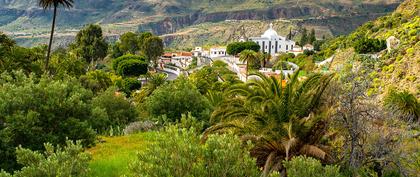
(270,42)
(217,52)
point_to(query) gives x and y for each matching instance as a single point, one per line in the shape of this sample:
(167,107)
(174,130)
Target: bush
(59,162)
(111,110)
(177,98)
(140,126)
(34,111)
(366,45)
(178,152)
(309,167)
(96,81)
(237,47)
(132,67)
(117,61)
(130,84)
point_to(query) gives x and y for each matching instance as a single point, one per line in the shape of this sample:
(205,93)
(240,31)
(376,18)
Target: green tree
(237,47)
(181,154)
(130,84)
(132,67)
(153,48)
(177,98)
(280,119)
(46,4)
(304,38)
(142,39)
(90,44)
(97,81)
(309,167)
(116,62)
(64,64)
(113,111)
(37,110)
(129,43)
(312,37)
(250,57)
(70,160)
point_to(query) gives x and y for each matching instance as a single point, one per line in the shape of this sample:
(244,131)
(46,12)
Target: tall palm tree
(280,120)
(47,4)
(248,56)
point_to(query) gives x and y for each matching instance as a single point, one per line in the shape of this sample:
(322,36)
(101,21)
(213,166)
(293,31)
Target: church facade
(270,42)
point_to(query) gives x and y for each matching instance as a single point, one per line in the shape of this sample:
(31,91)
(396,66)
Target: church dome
(270,33)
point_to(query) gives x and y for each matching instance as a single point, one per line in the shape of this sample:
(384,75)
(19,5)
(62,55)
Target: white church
(270,42)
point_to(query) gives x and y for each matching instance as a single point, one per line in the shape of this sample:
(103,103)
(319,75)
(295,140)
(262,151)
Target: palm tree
(248,56)
(46,4)
(404,104)
(153,82)
(280,120)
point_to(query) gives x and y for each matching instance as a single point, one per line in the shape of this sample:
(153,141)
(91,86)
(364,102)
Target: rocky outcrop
(172,24)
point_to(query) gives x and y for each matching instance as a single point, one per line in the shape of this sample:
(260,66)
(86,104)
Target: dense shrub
(34,111)
(237,47)
(59,162)
(96,81)
(116,62)
(366,45)
(130,84)
(132,67)
(309,167)
(178,152)
(111,110)
(177,98)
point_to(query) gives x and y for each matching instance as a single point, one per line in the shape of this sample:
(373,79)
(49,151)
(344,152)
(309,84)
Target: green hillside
(398,68)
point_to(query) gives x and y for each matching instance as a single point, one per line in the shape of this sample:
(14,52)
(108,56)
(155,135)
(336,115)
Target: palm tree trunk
(51,38)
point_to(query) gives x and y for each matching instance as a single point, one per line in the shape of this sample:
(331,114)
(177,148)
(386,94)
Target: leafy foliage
(34,111)
(366,45)
(178,152)
(132,67)
(111,110)
(237,47)
(96,81)
(59,162)
(90,44)
(403,104)
(177,98)
(309,167)
(130,84)
(279,118)
(153,48)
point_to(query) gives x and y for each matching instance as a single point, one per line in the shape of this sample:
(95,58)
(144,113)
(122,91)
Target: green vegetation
(340,119)
(70,160)
(306,166)
(112,158)
(178,152)
(237,47)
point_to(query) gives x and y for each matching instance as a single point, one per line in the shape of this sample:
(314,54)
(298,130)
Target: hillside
(30,25)
(398,68)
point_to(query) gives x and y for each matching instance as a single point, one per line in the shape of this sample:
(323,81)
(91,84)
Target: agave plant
(279,118)
(403,104)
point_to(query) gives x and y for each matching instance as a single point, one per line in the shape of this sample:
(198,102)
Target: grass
(113,157)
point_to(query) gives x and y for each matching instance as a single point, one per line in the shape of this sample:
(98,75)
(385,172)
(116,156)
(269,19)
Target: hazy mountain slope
(23,18)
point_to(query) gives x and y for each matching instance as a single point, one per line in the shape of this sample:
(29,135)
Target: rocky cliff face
(173,24)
